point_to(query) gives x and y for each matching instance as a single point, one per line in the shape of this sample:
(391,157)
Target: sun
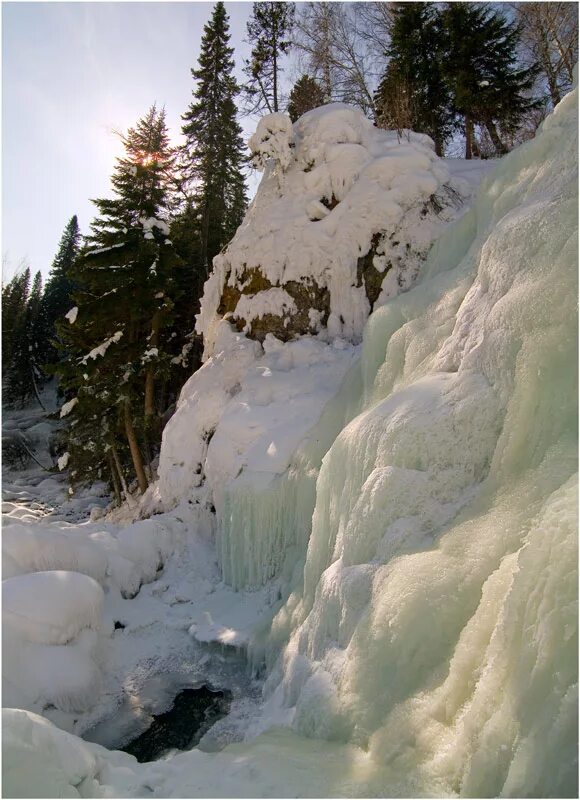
(147,159)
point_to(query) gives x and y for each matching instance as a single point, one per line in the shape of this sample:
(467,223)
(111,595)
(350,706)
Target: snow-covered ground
(404,548)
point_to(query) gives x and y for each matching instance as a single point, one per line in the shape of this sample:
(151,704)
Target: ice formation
(412,522)
(342,220)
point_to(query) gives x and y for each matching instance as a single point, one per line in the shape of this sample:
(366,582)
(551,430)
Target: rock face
(341,222)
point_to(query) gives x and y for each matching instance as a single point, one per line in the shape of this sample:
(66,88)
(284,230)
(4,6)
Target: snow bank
(336,191)
(51,607)
(39,760)
(238,422)
(53,624)
(36,548)
(50,626)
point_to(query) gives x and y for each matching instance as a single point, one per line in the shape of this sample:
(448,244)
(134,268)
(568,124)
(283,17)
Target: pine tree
(22,370)
(269,30)
(14,300)
(212,157)
(56,300)
(412,93)
(121,344)
(306,94)
(481,70)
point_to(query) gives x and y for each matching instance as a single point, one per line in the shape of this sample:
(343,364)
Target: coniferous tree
(14,300)
(306,94)
(56,299)
(213,155)
(22,362)
(486,85)
(269,30)
(120,343)
(413,93)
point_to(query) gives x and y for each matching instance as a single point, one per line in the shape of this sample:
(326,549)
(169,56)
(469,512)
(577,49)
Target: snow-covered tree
(121,345)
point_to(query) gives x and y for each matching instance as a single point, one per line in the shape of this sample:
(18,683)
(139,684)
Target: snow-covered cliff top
(335,190)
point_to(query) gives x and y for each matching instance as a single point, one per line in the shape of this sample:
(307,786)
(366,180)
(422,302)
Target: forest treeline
(115,321)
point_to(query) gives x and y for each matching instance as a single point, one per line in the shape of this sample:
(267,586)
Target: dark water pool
(192,714)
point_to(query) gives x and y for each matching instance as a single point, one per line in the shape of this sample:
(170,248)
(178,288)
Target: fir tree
(481,70)
(269,29)
(56,300)
(14,301)
(212,156)
(306,94)
(120,344)
(412,93)
(23,374)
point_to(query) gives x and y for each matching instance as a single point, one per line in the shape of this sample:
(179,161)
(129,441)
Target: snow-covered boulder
(51,624)
(342,220)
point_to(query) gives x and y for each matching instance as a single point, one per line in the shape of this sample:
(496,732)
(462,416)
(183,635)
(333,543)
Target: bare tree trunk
(134,447)
(150,374)
(275,74)
(500,147)
(468,137)
(124,486)
(36,388)
(115,480)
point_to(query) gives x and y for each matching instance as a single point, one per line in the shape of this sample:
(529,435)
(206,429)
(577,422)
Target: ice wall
(435,622)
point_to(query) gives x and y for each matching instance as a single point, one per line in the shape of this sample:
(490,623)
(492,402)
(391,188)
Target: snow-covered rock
(342,220)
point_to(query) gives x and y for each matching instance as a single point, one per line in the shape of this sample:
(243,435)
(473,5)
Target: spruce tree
(213,154)
(487,86)
(120,343)
(269,30)
(413,93)
(306,94)
(14,301)
(56,300)
(22,368)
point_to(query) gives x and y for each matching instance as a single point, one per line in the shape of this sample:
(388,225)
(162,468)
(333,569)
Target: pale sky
(72,73)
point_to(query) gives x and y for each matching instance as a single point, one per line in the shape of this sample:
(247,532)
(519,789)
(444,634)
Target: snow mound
(40,760)
(51,622)
(342,220)
(238,422)
(124,558)
(37,548)
(51,607)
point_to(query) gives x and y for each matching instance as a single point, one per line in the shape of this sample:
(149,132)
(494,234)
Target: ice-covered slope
(431,637)
(436,620)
